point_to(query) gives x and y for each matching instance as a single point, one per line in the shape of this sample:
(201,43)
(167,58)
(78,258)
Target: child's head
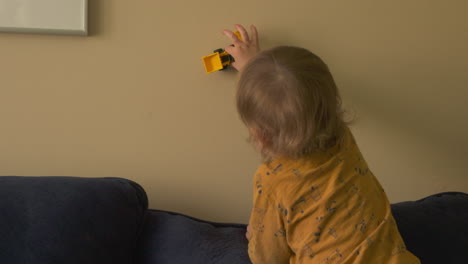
(288,99)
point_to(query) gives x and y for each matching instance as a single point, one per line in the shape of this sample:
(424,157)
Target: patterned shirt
(326,208)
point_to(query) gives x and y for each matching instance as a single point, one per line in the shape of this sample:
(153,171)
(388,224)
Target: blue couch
(106,220)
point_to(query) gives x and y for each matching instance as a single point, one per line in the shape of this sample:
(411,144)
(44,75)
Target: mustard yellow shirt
(327,208)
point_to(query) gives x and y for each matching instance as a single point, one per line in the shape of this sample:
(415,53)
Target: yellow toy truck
(219,60)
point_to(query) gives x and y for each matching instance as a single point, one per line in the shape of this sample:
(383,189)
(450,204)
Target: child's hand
(247,234)
(242,50)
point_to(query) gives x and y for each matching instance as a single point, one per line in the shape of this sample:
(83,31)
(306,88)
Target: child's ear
(260,137)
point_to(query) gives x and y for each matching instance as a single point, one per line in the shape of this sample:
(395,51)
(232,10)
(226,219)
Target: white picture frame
(68,17)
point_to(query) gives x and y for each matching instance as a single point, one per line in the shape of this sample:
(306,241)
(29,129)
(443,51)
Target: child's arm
(268,242)
(242,50)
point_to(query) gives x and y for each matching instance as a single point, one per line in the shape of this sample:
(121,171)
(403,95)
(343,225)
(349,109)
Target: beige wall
(132,99)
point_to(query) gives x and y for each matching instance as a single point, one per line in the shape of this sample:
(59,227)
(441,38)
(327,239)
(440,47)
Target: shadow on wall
(95,21)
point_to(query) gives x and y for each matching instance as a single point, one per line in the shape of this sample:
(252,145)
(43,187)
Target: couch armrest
(70,220)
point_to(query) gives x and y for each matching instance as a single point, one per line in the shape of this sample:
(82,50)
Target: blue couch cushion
(69,220)
(172,238)
(435,228)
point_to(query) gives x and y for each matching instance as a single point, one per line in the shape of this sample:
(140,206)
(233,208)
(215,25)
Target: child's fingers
(235,40)
(254,31)
(243,32)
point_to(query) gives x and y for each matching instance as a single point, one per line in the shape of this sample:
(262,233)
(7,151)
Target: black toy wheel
(226,58)
(218,50)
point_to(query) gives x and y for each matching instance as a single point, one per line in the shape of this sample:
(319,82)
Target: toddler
(315,199)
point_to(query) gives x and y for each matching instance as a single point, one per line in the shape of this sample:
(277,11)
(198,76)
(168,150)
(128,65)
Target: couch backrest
(70,220)
(435,228)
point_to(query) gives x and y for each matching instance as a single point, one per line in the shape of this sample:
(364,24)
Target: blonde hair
(288,99)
